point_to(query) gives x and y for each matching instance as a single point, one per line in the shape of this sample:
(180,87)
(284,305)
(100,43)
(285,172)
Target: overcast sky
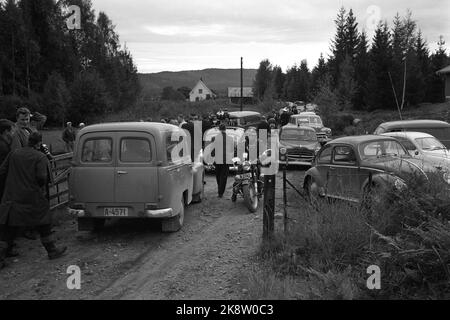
(174,35)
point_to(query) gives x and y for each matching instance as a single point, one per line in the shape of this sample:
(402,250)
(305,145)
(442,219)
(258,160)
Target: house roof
(203,84)
(446,70)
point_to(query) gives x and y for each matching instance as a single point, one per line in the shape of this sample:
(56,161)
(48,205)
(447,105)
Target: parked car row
(139,170)
(353,168)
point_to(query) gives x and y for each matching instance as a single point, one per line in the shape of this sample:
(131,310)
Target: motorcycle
(247,182)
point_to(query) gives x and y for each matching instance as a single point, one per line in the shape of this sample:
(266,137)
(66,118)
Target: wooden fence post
(285,218)
(269,207)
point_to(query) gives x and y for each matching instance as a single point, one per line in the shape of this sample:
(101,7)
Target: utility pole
(395,95)
(404,85)
(242,82)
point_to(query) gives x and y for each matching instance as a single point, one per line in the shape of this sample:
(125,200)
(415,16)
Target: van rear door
(92,178)
(136,173)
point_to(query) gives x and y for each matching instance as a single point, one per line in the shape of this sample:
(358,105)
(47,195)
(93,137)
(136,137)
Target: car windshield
(309,120)
(298,134)
(235,133)
(315,120)
(381,148)
(430,144)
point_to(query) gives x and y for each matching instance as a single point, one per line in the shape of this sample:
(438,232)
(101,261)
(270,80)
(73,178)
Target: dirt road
(206,259)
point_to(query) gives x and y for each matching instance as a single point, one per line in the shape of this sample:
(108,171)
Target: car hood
(299,143)
(438,153)
(400,166)
(437,161)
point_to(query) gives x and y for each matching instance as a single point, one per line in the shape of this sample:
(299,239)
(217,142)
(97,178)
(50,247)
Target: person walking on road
(25,201)
(69,136)
(223,143)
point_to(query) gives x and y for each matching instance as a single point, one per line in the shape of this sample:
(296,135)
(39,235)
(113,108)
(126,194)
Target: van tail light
(79,206)
(151,206)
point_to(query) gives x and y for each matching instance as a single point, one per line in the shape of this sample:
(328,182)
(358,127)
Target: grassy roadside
(330,247)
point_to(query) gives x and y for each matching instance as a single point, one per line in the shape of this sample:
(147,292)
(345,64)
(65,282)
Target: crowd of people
(24,186)
(25,173)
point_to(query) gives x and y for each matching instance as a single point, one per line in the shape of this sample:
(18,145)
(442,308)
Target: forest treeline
(362,73)
(65,74)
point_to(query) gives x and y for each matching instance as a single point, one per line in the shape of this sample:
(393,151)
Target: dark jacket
(25,200)
(69,135)
(284,118)
(5,148)
(20,137)
(224,148)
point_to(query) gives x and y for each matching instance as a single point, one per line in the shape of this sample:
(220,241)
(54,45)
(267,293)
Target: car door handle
(122,172)
(332,169)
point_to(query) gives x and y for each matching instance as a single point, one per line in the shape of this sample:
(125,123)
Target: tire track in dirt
(204,265)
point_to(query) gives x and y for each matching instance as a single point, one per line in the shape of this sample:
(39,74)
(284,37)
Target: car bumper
(296,163)
(157,213)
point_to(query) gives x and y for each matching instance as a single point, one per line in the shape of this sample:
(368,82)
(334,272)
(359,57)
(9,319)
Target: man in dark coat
(22,130)
(69,134)
(285,117)
(6,127)
(223,158)
(25,202)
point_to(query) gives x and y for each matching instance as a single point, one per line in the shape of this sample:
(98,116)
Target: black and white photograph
(224,156)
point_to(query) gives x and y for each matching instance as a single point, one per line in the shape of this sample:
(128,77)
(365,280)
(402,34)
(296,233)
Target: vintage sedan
(425,147)
(300,144)
(245,119)
(133,170)
(314,121)
(348,168)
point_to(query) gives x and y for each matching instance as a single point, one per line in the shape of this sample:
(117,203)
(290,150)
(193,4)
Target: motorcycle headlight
(446,176)
(399,184)
(246,166)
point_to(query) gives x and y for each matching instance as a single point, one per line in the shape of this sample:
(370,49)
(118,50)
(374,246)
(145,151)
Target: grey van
(128,170)
(438,129)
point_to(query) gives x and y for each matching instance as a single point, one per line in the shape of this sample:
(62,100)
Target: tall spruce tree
(380,95)
(304,82)
(317,75)
(351,36)
(277,82)
(263,79)
(361,73)
(338,46)
(439,60)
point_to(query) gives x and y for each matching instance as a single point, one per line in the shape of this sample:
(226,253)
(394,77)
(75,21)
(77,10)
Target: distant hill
(216,79)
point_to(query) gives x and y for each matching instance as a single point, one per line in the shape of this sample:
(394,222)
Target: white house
(201,92)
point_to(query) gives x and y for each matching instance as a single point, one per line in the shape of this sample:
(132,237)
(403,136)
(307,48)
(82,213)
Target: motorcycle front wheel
(250,197)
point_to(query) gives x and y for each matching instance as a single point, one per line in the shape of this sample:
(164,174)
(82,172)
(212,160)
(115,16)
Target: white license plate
(246,176)
(116,212)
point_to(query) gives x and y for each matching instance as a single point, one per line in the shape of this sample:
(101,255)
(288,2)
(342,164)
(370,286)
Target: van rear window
(97,150)
(135,150)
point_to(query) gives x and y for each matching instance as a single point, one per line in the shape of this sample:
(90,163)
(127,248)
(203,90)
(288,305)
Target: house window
(200,91)
(208,96)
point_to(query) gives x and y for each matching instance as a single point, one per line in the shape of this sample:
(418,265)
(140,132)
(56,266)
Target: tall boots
(53,251)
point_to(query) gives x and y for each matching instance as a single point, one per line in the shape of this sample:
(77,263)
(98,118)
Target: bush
(406,233)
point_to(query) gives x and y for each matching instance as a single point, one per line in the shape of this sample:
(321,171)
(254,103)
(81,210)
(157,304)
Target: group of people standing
(24,186)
